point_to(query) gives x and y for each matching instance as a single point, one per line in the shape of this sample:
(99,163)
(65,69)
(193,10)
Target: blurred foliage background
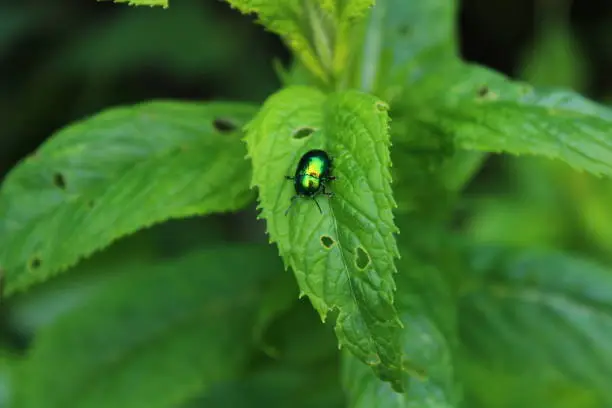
(64,60)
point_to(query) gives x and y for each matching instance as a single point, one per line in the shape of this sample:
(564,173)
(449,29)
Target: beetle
(312,172)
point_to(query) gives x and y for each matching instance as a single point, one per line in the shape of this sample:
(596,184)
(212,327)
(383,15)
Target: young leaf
(404,41)
(119,171)
(539,308)
(481,110)
(317,31)
(427,310)
(151,3)
(408,42)
(555,58)
(418,172)
(344,258)
(154,337)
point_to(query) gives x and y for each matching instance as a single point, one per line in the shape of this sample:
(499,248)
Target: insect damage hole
(363,259)
(59,181)
(224,125)
(35,263)
(327,241)
(303,132)
(404,29)
(483,91)
(381,106)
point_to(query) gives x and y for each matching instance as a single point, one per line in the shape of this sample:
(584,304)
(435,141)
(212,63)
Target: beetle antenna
(318,206)
(290,205)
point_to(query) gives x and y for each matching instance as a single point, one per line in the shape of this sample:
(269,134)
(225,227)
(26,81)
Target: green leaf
(154,337)
(427,309)
(298,338)
(539,308)
(8,365)
(151,3)
(555,58)
(531,386)
(344,258)
(278,386)
(485,111)
(404,41)
(476,108)
(318,31)
(279,298)
(407,42)
(27,312)
(419,158)
(119,171)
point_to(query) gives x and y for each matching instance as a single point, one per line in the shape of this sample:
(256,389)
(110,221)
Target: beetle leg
(326,193)
(318,206)
(291,205)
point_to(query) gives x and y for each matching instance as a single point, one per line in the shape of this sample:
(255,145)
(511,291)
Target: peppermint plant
(422,315)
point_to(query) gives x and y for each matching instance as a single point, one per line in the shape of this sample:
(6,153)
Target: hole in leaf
(363,260)
(59,180)
(224,125)
(303,132)
(381,106)
(327,241)
(404,29)
(483,91)
(35,263)
(373,360)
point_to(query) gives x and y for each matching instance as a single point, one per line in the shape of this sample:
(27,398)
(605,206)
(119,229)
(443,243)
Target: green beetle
(311,174)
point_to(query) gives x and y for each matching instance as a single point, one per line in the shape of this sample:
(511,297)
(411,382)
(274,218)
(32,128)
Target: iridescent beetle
(311,174)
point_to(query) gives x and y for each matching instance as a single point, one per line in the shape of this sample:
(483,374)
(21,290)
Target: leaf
(303,373)
(485,111)
(555,58)
(407,42)
(478,108)
(427,309)
(8,364)
(317,31)
(119,171)
(342,259)
(279,298)
(26,313)
(531,386)
(298,338)
(151,3)
(151,36)
(278,386)
(419,158)
(404,41)
(539,308)
(155,337)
